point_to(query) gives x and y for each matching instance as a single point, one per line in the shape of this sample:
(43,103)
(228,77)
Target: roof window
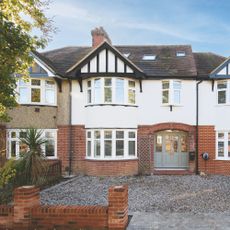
(149,57)
(180,53)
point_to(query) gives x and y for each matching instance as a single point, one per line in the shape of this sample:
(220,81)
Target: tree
(19,19)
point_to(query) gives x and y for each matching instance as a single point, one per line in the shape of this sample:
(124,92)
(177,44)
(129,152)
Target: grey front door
(171,150)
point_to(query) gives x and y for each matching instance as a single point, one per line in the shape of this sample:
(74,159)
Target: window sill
(225,159)
(220,105)
(42,105)
(168,105)
(111,159)
(124,105)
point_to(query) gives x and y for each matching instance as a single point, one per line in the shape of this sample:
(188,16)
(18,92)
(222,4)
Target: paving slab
(179,221)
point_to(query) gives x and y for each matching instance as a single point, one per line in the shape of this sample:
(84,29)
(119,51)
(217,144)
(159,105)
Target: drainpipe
(197,125)
(70,128)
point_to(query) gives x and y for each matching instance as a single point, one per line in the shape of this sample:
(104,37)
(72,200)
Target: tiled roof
(207,62)
(167,64)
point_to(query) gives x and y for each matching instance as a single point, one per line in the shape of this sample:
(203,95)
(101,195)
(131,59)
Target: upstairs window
(180,53)
(171,92)
(37,91)
(111,91)
(222,89)
(36,69)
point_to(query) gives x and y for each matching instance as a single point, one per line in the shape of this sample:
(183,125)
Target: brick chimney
(99,35)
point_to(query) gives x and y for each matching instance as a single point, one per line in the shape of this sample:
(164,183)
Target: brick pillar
(25,197)
(118,207)
(2,145)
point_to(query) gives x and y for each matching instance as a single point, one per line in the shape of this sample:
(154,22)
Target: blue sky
(204,24)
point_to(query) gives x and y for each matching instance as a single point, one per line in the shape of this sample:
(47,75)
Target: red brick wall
(146,143)
(111,168)
(27,212)
(207,143)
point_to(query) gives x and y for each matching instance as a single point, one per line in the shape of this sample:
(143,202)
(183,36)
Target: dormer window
(149,57)
(180,53)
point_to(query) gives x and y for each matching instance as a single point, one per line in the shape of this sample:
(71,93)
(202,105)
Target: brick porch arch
(145,143)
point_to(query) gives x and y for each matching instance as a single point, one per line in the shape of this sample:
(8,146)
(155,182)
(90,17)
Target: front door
(171,150)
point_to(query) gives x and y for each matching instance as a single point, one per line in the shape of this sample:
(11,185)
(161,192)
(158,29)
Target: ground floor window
(223,145)
(15,147)
(111,144)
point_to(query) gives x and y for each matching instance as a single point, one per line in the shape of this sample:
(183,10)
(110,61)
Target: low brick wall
(27,213)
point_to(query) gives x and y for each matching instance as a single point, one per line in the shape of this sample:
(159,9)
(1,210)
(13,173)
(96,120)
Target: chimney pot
(99,35)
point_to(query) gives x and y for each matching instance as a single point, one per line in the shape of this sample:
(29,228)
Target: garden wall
(27,213)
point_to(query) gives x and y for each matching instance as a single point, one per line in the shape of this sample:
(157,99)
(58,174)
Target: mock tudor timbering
(122,110)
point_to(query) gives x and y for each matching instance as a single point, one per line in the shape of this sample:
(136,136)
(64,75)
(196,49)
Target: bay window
(223,145)
(111,91)
(171,92)
(37,91)
(15,147)
(111,144)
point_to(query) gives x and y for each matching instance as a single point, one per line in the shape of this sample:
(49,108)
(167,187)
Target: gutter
(70,128)
(197,125)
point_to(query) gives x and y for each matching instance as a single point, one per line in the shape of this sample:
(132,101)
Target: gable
(222,71)
(105,60)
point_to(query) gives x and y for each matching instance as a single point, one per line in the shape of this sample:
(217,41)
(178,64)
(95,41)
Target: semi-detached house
(124,110)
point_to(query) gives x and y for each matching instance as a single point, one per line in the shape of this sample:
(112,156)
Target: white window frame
(42,88)
(227,92)
(113,87)
(225,140)
(9,139)
(171,93)
(126,139)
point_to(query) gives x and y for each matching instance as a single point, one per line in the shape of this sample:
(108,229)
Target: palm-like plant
(33,163)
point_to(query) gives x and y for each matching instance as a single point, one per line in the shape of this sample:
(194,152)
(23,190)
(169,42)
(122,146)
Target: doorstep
(172,172)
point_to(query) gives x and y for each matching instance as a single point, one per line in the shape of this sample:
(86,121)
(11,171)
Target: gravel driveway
(192,194)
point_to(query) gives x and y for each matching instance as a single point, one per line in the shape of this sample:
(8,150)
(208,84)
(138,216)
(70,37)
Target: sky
(204,24)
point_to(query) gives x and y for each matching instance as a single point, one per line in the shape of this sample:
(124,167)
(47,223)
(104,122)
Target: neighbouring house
(124,110)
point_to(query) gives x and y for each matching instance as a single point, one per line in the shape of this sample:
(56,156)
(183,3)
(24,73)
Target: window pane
(176,85)
(97,148)
(131,96)
(97,90)
(35,68)
(35,95)
(108,148)
(159,143)
(89,96)
(220,148)
(13,135)
(221,97)
(165,85)
(108,94)
(131,84)
(119,148)
(175,143)
(50,84)
(49,148)
(50,96)
(13,148)
(132,134)
(222,85)
(23,148)
(176,96)
(49,134)
(89,134)
(22,134)
(228,144)
(97,134)
(119,134)
(165,97)
(24,95)
(89,84)
(35,82)
(131,148)
(183,142)
(108,134)
(167,144)
(119,91)
(23,83)
(108,82)
(88,148)
(220,135)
